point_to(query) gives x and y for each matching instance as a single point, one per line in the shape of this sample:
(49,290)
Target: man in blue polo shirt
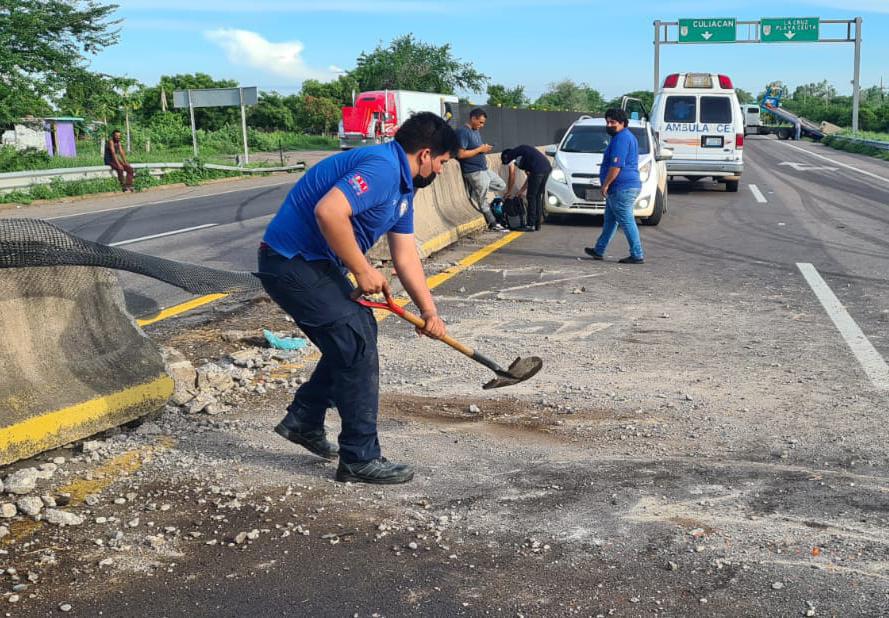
(619,175)
(327,223)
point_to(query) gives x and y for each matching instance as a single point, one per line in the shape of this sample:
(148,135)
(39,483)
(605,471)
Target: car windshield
(594,139)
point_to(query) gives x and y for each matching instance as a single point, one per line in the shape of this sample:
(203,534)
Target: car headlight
(645,171)
(559,175)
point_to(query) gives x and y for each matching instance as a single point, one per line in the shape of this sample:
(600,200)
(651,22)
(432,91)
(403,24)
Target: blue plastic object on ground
(285,343)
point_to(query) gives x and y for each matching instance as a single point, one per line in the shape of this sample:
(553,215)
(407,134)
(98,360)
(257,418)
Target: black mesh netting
(32,242)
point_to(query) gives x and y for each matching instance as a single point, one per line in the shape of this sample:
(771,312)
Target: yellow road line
(436,280)
(194,303)
(41,429)
(96,482)
(430,246)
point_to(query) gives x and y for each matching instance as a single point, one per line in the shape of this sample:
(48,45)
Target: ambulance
(698,117)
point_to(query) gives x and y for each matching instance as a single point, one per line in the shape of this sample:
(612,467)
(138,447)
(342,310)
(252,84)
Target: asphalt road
(798,202)
(702,440)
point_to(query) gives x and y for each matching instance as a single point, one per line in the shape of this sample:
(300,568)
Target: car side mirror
(665,154)
(550,151)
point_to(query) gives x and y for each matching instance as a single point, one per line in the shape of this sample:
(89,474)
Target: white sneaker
(496,227)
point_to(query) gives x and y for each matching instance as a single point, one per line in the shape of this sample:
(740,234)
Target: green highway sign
(709,30)
(788,29)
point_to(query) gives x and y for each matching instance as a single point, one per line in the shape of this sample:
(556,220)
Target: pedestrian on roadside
(321,233)
(537,169)
(619,176)
(477,178)
(116,157)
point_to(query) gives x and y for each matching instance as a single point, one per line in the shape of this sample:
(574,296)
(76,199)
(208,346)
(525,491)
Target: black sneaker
(632,260)
(376,471)
(314,440)
(591,251)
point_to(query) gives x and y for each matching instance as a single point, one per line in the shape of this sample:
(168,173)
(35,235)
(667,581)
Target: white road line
(529,285)
(851,167)
(873,364)
(171,233)
(175,199)
(758,194)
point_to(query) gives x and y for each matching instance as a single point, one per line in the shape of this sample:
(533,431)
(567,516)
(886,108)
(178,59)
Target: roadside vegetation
(837,141)
(193,173)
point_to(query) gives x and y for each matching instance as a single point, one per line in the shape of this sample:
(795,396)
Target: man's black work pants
(316,294)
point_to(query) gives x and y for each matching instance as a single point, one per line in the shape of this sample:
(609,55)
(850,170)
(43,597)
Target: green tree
(43,44)
(339,90)
(317,114)
(744,96)
(409,64)
(271,113)
(646,96)
(502,96)
(570,96)
(207,118)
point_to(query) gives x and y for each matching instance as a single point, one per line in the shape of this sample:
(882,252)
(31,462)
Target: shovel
(520,370)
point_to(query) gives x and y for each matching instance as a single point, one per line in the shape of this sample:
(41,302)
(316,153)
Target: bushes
(12,160)
(837,142)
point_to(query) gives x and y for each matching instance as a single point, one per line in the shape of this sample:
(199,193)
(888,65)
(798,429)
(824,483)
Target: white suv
(573,186)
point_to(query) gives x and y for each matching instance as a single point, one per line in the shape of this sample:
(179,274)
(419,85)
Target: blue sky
(276,44)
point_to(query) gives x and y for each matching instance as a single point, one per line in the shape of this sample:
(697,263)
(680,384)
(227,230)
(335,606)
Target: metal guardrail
(880,145)
(13,181)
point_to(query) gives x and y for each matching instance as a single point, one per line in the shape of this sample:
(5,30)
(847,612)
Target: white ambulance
(698,117)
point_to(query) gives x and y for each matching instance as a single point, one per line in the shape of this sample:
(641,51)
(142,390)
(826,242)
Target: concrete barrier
(74,362)
(443,212)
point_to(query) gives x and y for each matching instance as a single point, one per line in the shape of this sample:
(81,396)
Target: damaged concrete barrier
(74,362)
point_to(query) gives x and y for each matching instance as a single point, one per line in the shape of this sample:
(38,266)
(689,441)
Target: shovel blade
(520,370)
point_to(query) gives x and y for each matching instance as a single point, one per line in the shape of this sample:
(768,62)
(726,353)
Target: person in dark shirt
(477,178)
(116,157)
(327,223)
(537,170)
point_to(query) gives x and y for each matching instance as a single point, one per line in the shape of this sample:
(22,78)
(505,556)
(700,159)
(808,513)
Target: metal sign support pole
(244,127)
(856,78)
(194,134)
(657,55)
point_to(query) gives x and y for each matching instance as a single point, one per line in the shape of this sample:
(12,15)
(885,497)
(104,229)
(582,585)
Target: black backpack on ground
(514,211)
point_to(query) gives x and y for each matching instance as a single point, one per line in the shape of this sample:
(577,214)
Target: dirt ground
(677,455)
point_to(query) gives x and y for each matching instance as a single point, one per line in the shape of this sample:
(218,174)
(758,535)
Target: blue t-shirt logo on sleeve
(376,181)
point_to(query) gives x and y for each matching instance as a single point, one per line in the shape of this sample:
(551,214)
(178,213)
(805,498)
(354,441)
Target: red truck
(376,115)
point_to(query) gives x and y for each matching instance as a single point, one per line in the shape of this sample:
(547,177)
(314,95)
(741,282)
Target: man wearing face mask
(324,228)
(619,175)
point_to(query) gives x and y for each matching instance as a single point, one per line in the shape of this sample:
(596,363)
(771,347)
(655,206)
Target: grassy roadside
(194,173)
(837,142)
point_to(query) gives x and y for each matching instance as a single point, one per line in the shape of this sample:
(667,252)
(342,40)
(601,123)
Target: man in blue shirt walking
(619,175)
(327,223)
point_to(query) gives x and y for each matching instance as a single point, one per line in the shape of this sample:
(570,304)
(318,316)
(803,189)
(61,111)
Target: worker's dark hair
(427,130)
(507,156)
(115,131)
(478,112)
(618,115)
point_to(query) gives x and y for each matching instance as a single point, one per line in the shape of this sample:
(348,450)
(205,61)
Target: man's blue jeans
(316,295)
(619,212)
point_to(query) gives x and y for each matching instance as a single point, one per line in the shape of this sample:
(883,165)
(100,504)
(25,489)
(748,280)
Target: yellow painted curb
(41,432)
(446,239)
(194,303)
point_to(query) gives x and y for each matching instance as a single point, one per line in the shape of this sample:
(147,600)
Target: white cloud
(249,49)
